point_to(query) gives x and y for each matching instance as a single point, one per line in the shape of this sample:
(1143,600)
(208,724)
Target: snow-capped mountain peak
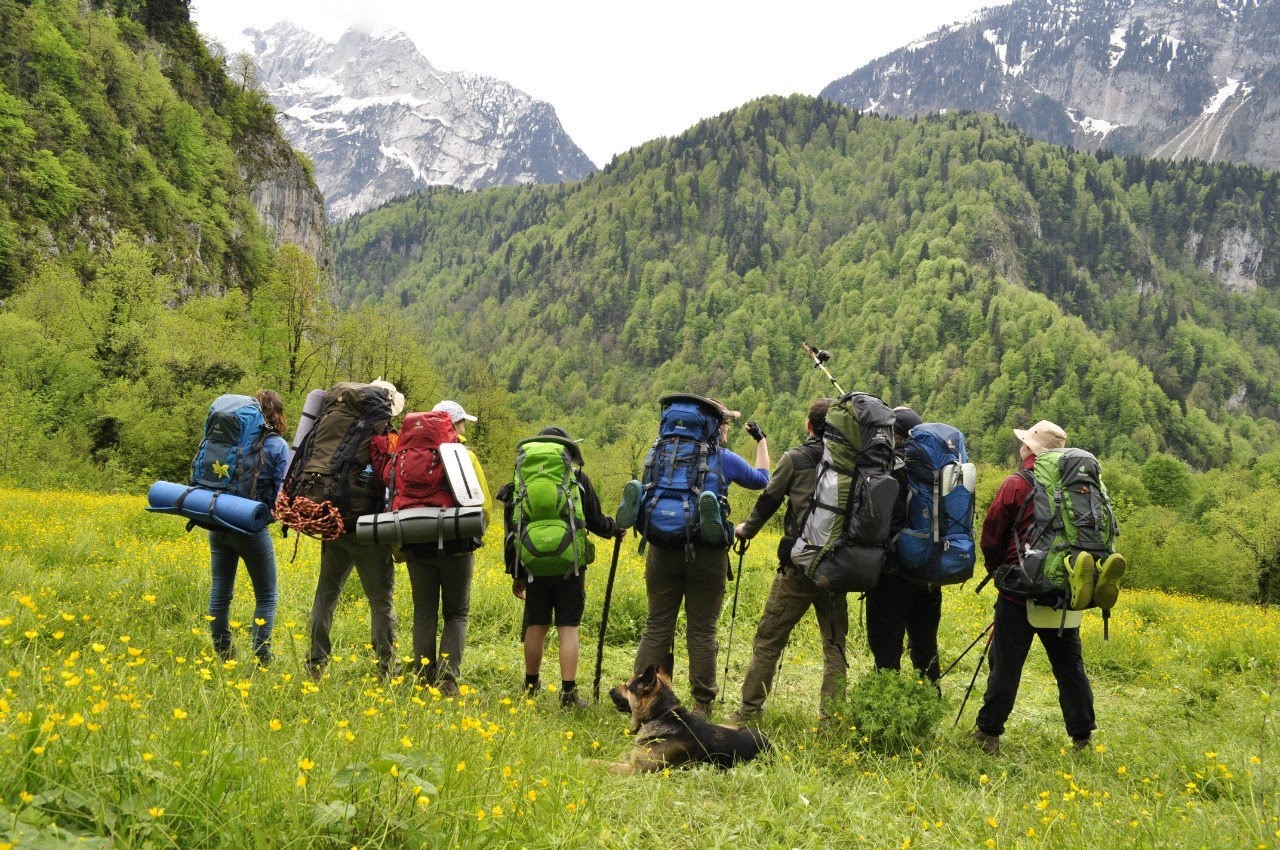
(378,120)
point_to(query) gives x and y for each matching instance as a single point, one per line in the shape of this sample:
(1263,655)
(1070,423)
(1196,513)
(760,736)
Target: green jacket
(794,478)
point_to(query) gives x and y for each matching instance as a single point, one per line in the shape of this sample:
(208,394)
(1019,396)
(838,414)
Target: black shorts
(564,597)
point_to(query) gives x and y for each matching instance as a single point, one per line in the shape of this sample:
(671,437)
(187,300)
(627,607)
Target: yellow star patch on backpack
(221,469)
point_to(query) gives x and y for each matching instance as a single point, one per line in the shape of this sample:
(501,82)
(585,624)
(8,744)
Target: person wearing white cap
(441,585)
(1009,519)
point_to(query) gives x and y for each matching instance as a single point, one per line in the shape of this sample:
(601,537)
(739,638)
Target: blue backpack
(231,454)
(683,463)
(937,546)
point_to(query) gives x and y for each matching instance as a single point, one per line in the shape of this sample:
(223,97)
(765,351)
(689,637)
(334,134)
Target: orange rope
(315,519)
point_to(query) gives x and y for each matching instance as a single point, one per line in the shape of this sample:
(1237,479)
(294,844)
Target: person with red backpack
(411,466)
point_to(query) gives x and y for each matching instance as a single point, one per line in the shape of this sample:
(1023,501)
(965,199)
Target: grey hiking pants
(441,585)
(378,578)
(789,598)
(699,584)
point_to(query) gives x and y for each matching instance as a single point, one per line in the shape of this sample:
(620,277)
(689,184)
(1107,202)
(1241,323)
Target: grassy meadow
(119,728)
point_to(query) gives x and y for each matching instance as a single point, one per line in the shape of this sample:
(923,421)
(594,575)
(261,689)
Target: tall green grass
(118,727)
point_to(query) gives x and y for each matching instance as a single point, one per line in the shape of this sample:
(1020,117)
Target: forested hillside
(138,280)
(951,263)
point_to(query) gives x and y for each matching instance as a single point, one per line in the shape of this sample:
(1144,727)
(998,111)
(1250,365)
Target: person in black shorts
(557,600)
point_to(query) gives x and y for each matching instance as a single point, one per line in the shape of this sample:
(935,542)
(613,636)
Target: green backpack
(550,528)
(1072,514)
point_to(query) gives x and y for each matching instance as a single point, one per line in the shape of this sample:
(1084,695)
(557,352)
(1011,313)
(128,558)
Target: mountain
(1163,78)
(951,263)
(378,121)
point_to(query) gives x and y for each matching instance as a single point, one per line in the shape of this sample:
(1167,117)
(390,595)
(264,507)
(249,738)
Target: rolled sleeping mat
(213,509)
(411,526)
(310,413)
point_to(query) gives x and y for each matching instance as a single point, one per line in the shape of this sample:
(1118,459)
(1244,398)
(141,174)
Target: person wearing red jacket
(1011,636)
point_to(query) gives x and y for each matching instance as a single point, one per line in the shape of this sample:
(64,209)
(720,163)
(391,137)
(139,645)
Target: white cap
(397,398)
(455,411)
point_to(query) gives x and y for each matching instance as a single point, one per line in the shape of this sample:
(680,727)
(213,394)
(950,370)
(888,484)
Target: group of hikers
(867,510)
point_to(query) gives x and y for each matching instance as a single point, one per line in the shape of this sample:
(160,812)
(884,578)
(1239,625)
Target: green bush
(893,712)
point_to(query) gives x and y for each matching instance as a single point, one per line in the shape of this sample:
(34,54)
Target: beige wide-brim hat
(1042,437)
(397,397)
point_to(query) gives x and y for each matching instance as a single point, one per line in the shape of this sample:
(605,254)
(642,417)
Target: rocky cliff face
(378,121)
(285,196)
(1162,78)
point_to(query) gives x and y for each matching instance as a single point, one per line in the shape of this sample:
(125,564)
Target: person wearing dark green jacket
(794,479)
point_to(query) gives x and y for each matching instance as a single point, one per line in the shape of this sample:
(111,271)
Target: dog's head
(647,696)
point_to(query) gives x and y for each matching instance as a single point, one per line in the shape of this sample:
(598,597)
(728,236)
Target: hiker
(899,605)
(792,594)
(440,578)
(345,425)
(1008,520)
(694,573)
(552,584)
(227,548)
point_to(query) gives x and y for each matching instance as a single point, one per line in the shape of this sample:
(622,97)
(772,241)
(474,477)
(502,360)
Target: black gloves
(755,431)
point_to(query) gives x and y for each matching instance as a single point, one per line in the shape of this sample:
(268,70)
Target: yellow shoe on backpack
(1108,586)
(1080,580)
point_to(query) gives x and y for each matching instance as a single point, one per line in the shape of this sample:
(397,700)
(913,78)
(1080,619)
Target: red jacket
(998,546)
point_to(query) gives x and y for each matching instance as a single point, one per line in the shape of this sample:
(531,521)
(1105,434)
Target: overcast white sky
(621,74)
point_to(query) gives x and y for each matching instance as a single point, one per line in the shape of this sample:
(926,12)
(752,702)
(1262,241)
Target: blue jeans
(227,548)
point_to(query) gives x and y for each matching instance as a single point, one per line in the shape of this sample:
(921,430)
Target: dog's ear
(647,679)
(668,664)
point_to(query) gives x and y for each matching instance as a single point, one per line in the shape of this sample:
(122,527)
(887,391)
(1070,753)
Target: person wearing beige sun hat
(1008,521)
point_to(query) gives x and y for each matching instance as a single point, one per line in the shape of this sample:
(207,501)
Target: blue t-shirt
(738,471)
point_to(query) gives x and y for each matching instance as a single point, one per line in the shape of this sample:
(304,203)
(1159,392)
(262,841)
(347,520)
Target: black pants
(897,607)
(1010,643)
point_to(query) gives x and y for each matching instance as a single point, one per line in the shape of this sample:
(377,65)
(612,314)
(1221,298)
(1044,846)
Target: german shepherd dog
(669,735)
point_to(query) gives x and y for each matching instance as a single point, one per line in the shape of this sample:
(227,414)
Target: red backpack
(415,476)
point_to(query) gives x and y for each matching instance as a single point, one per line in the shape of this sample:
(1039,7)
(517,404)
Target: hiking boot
(1080,743)
(990,744)
(1080,577)
(569,700)
(1108,586)
(448,688)
(710,526)
(702,709)
(630,507)
(315,671)
(744,716)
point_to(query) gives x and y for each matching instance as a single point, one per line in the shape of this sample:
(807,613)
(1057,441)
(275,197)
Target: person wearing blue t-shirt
(227,548)
(670,579)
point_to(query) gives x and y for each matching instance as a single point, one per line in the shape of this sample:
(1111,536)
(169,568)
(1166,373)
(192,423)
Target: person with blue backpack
(680,510)
(261,458)
(932,534)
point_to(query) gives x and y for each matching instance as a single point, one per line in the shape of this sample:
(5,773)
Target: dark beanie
(904,419)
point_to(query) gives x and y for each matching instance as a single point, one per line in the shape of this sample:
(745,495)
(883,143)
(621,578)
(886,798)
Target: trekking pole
(969,690)
(820,359)
(961,656)
(604,617)
(740,547)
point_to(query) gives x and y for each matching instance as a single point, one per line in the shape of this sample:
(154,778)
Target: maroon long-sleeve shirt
(998,546)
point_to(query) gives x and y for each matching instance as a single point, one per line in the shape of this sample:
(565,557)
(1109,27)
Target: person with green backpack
(548,510)
(1011,549)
